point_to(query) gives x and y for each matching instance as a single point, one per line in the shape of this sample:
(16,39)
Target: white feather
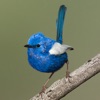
(58,49)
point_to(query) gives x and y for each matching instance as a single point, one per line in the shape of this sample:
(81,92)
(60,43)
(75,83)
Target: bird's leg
(67,72)
(44,86)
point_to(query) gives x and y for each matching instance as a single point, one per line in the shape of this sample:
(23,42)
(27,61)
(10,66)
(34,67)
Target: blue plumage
(39,57)
(48,55)
(60,23)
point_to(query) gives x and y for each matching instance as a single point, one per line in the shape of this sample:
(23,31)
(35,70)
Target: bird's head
(35,40)
(38,43)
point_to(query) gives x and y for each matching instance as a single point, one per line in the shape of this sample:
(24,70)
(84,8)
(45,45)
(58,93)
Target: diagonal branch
(62,87)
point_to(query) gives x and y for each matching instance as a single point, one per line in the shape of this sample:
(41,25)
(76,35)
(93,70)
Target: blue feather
(39,47)
(60,23)
(39,57)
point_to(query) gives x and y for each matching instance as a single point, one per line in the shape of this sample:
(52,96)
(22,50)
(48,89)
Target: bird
(48,55)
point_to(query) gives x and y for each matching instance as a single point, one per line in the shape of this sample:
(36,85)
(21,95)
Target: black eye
(38,45)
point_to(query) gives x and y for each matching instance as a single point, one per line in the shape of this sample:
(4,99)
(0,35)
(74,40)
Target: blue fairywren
(48,55)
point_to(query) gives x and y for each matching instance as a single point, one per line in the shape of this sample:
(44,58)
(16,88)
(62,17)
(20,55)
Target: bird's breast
(46,62)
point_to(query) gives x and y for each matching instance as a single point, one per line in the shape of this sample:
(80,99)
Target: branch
(62,87)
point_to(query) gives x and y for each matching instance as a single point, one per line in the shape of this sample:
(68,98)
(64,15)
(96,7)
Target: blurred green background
(21,18)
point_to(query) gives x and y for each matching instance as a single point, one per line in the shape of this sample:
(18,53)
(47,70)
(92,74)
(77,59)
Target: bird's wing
(58,49)
(60,22)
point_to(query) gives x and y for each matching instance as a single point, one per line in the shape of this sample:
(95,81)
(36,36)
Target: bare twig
(62,87)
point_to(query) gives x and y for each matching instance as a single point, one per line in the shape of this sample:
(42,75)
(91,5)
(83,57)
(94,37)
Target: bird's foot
(68,76)
(43,90)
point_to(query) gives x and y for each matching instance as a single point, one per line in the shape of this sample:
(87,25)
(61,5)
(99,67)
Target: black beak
(28,46)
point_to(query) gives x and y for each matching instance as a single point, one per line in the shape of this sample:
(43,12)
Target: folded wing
(58,49)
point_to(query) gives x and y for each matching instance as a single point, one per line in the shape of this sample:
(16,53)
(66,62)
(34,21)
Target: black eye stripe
(38,45)
(32,46)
